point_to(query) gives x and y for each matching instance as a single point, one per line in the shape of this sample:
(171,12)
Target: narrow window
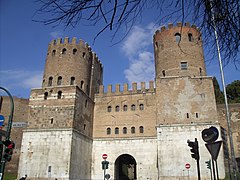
(163,72)
(184,66)
(200,71)
(116,130)
(64,51)
(178,37)
(50,81)
(187,115)
(83,54)
(53,52)
(43,82)
(45,95)
(190,38)
(141,130)
(74,51)
(109,109)
(117,108)
(59,81)
(59,95)
(133,107)
(86,103)
(141,107)
(197,115)
(133,130)
(84,127)
(109,131)
(82,84)
(72,81)
(49,168)
(51,120)
(156,43)
(125,108)
(124,130)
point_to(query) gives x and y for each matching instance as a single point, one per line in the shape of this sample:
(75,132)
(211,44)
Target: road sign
(104,156)
(1,120)
(187,166)
(107,176)
(214,148)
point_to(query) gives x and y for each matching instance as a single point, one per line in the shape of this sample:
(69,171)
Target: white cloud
(56,34)
(17,80)
(138,49)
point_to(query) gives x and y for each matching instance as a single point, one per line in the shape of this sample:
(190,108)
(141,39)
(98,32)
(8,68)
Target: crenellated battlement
(73,41)
(179,24)
(126,90)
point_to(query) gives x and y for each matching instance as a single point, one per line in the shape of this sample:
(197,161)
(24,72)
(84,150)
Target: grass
(8,176)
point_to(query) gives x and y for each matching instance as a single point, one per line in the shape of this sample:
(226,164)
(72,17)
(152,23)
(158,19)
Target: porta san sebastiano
(62,131)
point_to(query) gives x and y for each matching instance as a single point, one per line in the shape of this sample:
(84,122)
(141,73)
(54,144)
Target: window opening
(50,81)
(45,95)
(132,130)
(116,130)
(196,115)
(74,51)
(190,38)
(72,81)
(109,109)
(133,107)
(53,52)
(86,103)
(178,37)
(59,95)
(84,127)
(64,51)
(141,107)
(187,115)
(51,121)
(59,81)
(163,72)
(82,84)
(124,130)
(125,108)
(117,108)
(109,131)
(184,66)
(141,129)
(83,54)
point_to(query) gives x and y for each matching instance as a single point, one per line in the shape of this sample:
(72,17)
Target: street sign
(107,176)
(214,148)
(1,120)
(104,156)
(187,166)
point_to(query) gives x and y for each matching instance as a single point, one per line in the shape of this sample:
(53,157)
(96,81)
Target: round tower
(178,51)
(72,63)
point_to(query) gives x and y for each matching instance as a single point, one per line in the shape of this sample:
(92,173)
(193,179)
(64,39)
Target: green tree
(218,93)
(233,92)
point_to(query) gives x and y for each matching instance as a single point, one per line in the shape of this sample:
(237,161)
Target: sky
(24,43)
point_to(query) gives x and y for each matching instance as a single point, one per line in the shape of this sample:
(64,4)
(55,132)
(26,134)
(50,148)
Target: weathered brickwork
(72,120)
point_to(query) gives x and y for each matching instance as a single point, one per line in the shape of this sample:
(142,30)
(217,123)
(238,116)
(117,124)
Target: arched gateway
(125,168)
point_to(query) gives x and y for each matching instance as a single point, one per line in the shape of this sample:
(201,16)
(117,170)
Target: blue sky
(23,48)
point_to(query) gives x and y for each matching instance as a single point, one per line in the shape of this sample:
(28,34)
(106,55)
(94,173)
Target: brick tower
(58,140)
(185,100)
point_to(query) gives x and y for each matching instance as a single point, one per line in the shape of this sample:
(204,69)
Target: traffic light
(194,148)
(9,146)
(208,164)
(105,164)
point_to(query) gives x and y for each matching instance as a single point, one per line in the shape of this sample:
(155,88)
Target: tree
(218,93)
(233,92)
(113,15)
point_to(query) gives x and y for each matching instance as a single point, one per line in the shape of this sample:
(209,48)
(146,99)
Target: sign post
(187,166)
(104,165)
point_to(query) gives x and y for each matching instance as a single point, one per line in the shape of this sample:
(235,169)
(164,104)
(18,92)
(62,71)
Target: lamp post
(225,95)
(9,127)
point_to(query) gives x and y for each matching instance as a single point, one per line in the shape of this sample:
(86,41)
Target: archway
(125,168)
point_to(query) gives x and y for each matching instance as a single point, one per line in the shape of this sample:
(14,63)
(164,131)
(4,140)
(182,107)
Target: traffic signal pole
(9,127)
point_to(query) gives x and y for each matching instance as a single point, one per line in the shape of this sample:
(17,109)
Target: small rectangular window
(184,65)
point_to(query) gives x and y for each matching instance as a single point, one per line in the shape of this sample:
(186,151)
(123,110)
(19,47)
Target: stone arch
(125,168)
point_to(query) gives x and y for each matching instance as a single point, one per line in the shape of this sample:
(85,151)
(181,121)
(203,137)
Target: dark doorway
(125,168)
